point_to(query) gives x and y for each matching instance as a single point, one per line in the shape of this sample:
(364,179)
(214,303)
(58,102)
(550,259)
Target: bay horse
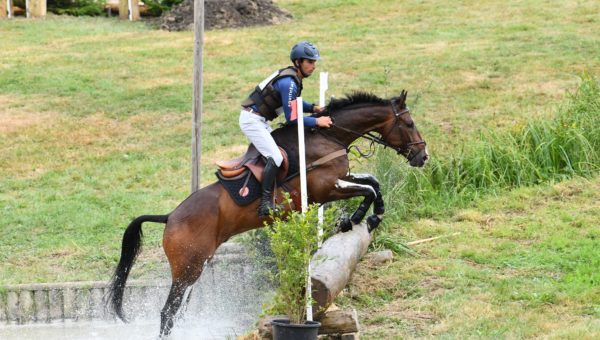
(209,216)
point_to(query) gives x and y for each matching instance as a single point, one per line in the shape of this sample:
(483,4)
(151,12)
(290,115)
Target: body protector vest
(266,98)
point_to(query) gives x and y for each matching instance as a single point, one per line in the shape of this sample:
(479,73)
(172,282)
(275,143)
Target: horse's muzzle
(419,159)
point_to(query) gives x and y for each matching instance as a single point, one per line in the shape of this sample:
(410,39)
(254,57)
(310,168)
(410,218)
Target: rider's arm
(288,90)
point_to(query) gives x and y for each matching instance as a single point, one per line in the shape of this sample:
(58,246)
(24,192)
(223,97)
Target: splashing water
(223,304)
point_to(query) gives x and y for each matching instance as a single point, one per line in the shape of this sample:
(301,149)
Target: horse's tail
(132,242)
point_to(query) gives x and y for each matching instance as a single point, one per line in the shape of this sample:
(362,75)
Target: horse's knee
(360,212)
(362,209)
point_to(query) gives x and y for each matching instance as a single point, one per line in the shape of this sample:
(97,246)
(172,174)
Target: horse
(209,217)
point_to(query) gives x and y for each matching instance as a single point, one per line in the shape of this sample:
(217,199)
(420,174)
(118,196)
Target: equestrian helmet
(304,50)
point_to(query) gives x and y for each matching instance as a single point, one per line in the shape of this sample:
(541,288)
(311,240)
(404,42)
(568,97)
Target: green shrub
(293,241)
(157,7)
(77,7)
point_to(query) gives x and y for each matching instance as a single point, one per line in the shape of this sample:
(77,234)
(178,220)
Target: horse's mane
(355,98)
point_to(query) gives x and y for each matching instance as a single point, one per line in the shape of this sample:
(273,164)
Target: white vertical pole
(198,92)
(9,8)
(301,151)
(27,6)
(130,8)
(323,85)
(303,194)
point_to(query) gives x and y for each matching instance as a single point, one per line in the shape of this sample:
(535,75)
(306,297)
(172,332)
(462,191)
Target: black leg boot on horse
(268,183)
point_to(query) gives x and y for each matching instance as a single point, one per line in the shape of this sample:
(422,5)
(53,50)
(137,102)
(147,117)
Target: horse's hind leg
(187,258)
(167,315)
(181,283)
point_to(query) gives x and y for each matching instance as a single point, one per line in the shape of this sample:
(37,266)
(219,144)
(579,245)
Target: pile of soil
(224,13)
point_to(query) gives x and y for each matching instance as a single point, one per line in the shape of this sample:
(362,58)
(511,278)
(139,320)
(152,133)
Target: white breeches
(258,132)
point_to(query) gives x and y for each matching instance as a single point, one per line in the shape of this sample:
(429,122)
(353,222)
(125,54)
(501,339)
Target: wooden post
(3,8)
(123,10)
(37,8)
(197,100)
(125,13)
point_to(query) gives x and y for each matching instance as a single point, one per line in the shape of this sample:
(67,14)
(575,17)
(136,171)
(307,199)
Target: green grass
(95,130)
(539,151)
(524,266)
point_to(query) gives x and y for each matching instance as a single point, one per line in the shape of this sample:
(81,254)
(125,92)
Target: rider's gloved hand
(324,122)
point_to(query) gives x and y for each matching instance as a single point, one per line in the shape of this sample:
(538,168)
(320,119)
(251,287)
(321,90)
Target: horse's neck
(359,120)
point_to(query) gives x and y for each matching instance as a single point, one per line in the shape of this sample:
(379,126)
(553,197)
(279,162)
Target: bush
(293,241)
(77,7)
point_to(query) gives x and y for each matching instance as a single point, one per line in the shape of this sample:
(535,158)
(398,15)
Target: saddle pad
(234,185)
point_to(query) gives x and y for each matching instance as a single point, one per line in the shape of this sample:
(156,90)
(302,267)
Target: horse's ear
(403,99)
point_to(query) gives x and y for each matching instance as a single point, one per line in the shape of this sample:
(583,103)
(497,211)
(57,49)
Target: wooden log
(333,264)
(333,322)
(339,322)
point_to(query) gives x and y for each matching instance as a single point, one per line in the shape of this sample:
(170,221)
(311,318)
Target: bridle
(402,150)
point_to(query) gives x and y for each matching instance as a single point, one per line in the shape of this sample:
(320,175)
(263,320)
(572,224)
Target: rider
(271,97)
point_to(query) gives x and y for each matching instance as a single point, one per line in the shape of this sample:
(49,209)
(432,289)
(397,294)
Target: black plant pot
(284,330)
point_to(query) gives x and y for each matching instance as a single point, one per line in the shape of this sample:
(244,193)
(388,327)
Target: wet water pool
(139,330)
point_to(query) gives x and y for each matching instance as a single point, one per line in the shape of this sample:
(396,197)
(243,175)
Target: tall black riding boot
(268,181)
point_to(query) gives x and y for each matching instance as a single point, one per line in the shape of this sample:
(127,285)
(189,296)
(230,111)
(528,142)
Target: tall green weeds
(538,152)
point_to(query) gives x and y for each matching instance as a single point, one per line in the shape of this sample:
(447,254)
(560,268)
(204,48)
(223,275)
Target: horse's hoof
(345,225)
(373,222)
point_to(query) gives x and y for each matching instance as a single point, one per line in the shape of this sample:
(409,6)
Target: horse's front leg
(374,220)
(348,187)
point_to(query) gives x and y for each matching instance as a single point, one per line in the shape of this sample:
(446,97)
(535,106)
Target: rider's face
(308,66)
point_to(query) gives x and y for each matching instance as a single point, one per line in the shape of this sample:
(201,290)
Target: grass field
(95,129)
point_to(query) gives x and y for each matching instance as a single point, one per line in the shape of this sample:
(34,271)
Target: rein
(381,141)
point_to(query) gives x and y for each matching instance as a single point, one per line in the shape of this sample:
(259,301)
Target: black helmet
(304,50)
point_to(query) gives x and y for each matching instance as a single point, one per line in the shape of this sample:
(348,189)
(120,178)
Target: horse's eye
(410,124)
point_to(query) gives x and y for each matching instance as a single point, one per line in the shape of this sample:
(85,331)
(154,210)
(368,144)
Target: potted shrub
(293,240)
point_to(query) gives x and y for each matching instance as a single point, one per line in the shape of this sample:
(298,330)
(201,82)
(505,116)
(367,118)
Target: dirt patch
(15,118)
(223,14)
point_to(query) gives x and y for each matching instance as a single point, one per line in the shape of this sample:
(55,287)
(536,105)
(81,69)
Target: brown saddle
(252,161)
